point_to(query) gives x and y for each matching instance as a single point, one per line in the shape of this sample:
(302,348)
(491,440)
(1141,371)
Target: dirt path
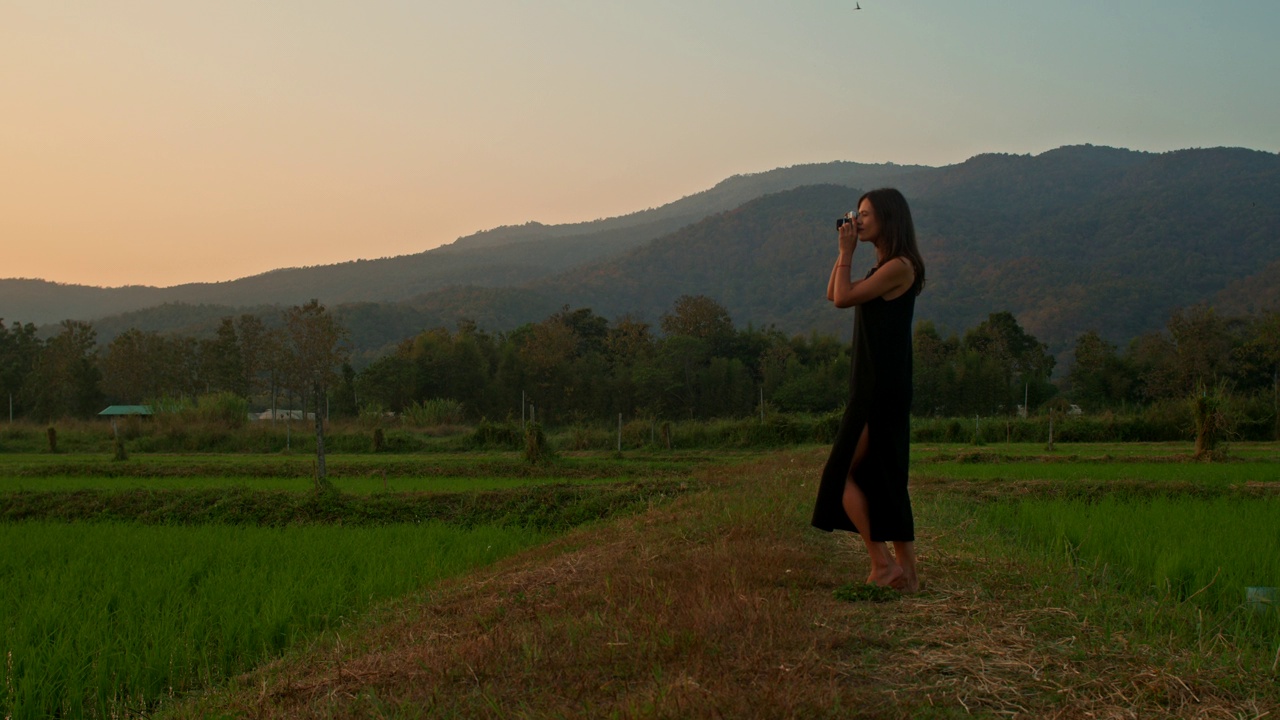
(721,604)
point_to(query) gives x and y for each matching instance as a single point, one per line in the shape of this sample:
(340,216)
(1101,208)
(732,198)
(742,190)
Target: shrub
(536,448)
(430,413)
(501,435)
(225,410)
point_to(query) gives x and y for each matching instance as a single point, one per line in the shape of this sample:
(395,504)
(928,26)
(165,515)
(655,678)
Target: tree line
(577,366)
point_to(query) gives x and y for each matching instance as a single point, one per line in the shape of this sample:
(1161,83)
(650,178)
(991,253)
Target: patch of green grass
(108,619)
(1204,474)
(303,465)
(1185,562)
(358,485)
(1072,452)
(865,592)
(546,507)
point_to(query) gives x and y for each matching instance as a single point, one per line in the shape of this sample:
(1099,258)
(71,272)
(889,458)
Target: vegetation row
(1168,421)
(544,507)
(578,368)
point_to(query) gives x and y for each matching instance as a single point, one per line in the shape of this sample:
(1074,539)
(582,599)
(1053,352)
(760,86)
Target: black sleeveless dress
(879,399)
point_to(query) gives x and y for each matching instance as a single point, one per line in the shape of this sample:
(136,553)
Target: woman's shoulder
(898,267)
(901,273)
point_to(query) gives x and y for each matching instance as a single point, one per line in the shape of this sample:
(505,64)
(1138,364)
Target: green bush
(432,413)
(506,436)
(1164,422)
(221,409)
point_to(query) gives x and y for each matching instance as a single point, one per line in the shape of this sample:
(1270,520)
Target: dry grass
(721,604)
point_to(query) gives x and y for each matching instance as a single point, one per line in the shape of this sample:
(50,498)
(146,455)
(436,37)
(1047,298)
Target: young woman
(864,483)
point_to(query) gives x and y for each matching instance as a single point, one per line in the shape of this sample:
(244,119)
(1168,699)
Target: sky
(161,143)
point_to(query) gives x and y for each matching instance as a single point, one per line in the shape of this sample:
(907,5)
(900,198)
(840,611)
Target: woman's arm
(847,240)
(831,281)
(893,278)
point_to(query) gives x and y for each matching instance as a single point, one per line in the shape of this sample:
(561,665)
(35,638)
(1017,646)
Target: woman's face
(868,223)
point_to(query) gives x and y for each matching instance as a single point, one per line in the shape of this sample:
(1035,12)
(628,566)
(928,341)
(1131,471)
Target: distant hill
(1072,240)
(529,251)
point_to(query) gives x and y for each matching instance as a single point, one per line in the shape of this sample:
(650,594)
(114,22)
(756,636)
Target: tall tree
(934,370)
(222,360)
(64,379)
(698,316)
(19,348)
(1023,361)
(133,367)
(1098,377)
(255,354)
(1202,345)
(317,347)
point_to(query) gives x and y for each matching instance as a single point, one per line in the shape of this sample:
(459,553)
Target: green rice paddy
(104,619)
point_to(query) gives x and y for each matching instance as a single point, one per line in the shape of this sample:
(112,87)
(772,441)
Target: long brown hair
(897,231)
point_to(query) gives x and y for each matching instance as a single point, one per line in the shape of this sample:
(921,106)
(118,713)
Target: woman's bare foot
(890,576)
(910,582)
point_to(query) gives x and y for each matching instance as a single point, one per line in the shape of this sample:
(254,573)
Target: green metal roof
(127,410)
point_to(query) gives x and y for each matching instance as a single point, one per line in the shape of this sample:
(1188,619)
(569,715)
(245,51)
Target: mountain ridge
(530,250)
(1074,239)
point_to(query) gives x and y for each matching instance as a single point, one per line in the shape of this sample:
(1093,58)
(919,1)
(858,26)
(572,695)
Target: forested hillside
(1075,240)
(529,251)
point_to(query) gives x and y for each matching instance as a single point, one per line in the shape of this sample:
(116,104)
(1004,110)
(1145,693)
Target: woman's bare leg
(905,555)
(884,569)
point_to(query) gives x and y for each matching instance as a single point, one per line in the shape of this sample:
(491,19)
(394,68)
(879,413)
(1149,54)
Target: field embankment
(722,603)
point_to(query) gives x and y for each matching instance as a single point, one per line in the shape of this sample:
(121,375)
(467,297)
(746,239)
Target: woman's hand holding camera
(848,232)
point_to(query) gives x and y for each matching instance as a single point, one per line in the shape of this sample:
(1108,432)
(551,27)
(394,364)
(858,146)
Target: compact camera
(848,218)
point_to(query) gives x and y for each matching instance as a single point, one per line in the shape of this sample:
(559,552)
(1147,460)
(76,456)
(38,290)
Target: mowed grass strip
(362,485)
(302,466)
(1072,452)
(723,604)
(106,620)
(1201,474)
(545,507)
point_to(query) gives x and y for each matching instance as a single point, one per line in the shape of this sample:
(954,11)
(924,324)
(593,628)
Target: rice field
(1170,532)
(111,618)
(1206,551)
(103,619)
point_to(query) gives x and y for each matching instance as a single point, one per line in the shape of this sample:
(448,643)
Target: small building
(114,411)
(284,415)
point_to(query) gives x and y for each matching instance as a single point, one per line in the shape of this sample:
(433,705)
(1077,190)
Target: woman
(864,484)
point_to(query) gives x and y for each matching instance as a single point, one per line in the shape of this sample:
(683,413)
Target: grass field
(105,619)
(1168,548)
(207,564)
(722,602)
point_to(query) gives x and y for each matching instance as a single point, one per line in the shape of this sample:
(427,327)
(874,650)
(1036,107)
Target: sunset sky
(158,143)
